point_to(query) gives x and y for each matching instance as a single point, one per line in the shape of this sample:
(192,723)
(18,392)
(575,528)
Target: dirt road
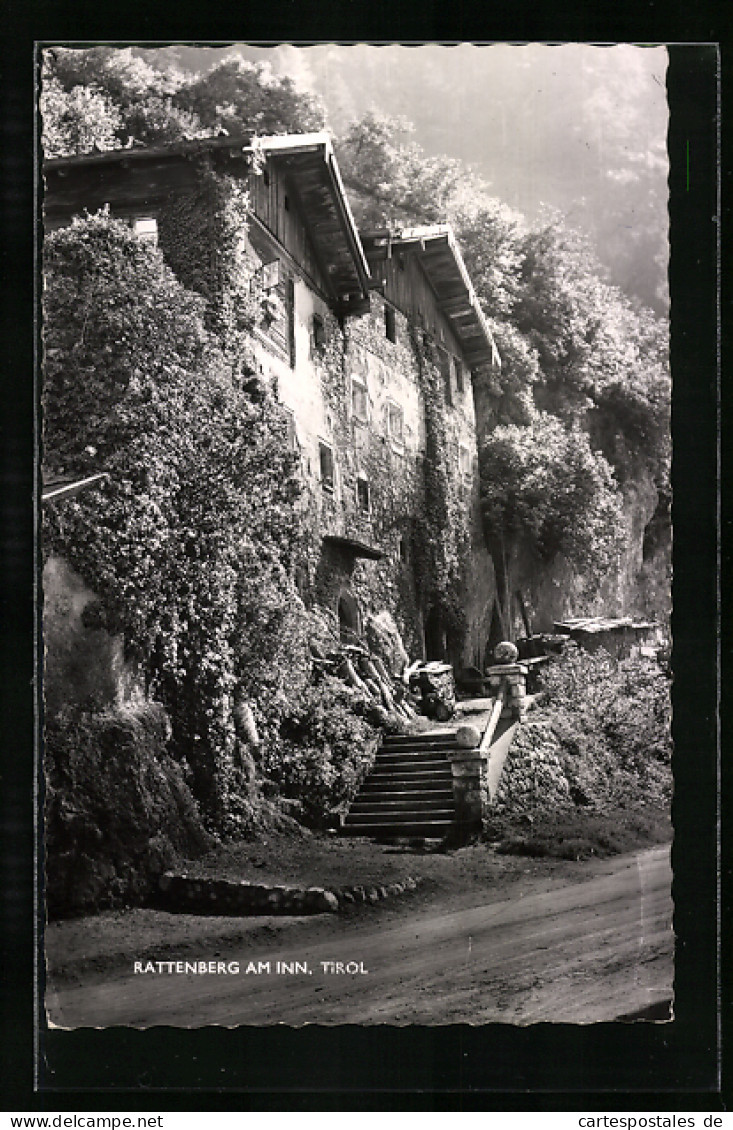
(579,953)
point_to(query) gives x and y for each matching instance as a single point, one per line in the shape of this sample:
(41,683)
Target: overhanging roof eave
(422,237)
(294,144)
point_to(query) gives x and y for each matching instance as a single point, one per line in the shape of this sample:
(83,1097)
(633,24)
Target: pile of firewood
(366,672)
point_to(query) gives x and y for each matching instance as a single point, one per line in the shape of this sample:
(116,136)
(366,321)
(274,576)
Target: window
(359,400)
(319,331)
(403,551)
(290,303)
(395,422)
(269,274)
(362,495)
(325,453)
(464,460)
(292,433)
(444,364)
(146,229)
(460,380)
(390,327)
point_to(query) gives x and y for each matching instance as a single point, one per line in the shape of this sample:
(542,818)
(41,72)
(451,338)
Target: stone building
(371,341)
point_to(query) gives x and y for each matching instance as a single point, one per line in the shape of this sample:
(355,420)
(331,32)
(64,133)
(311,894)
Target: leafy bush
(190,540)
(105,854)
(615,709)
(599,742)
(326,747)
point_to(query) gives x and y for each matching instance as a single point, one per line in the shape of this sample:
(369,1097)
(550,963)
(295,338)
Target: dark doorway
(434,636)
(348,614)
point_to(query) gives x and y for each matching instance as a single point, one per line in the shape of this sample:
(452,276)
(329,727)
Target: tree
(105,98)
(189,542)
(543,486)
(603,360)
(242,97)
(76,121)
(394,180)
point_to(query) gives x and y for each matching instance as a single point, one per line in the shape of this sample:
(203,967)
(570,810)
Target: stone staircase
(409,791)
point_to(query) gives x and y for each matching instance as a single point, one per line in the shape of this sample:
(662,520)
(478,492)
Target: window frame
(318,331)
(397,441)
(145,236)
(464,466)
(363,494)
(460,375)
(357,382)
(390,324)
(328,484)
(293,440)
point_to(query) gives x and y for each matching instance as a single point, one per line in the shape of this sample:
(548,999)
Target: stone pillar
(513,678)
(468,770)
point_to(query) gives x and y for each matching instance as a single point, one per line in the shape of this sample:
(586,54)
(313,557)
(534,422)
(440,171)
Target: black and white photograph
(355,526)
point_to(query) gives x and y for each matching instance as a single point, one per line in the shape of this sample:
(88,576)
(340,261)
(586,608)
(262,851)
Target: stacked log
(366,672)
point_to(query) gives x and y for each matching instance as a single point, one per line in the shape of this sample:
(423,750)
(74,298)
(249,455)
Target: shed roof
(440,257)
(309,160)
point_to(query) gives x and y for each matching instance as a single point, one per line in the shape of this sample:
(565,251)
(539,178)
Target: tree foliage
(77,120)
(544,483)
(399,183)
(240,97)
(105,98)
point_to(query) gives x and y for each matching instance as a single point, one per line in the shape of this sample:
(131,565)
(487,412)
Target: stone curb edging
(350,895)
(225,896)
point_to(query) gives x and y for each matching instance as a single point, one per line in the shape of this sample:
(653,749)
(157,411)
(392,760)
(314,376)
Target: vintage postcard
(356,527)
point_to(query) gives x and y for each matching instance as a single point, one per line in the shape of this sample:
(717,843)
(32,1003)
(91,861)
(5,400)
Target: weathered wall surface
(84,663)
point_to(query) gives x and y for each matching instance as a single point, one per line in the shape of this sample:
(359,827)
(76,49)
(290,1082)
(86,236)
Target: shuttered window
(325,453)
(444,364)
(146,229)
(395,423)
(359,400)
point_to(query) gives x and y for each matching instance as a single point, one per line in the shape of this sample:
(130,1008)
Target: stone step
(407,766)
(407,786)
(417,741)
(428,785)
(415,801)
(411,755)
(425,829)
(399,816)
